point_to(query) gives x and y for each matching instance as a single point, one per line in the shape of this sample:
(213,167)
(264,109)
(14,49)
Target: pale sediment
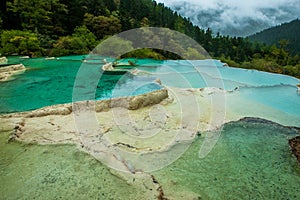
(125,122)
(7,72)
(145,125)
(162,113)
(3,60)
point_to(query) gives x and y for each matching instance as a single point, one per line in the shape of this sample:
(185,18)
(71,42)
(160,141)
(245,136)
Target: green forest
(287,32)
(65,27)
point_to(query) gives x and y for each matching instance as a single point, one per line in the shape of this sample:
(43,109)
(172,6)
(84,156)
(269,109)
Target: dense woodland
(65,27)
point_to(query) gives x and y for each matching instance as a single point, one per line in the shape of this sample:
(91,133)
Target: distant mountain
(236,18)
(287,31)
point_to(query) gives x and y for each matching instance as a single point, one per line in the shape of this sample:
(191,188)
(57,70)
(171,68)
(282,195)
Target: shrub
(20,42)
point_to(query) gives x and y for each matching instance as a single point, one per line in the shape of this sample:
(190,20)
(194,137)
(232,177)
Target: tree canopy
(63,27)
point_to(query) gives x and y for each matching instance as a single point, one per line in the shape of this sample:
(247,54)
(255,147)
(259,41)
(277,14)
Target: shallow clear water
(274,90)
(213,69)
(282,97)
(250,161)
(56,172)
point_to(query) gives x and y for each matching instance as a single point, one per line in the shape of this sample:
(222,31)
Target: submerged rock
(3,60)
(295,147)
(108,67)
(50,58)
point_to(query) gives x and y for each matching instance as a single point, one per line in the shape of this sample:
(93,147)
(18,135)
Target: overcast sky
(236,17)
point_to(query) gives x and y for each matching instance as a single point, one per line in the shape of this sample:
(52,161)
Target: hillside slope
(287,31)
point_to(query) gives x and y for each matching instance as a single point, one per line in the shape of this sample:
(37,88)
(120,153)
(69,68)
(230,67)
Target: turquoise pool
(51,81)
(47,82)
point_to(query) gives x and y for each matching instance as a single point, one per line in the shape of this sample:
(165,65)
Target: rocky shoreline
(3,60)
(7,72)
